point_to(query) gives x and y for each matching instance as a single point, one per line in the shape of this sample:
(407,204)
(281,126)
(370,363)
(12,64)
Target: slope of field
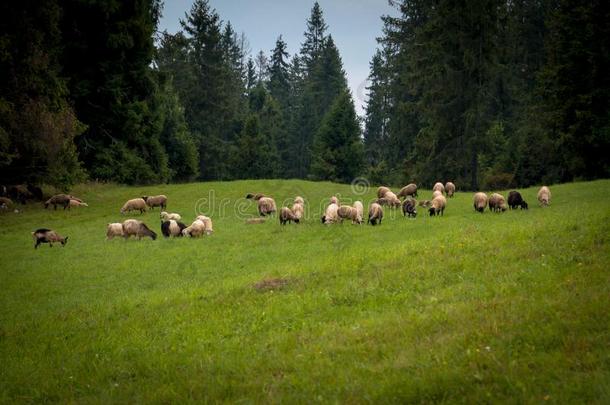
(468,307)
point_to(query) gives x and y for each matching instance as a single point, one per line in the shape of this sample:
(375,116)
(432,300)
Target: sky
(354,25)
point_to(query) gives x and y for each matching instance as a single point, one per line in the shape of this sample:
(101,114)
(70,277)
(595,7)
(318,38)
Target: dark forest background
(488,94)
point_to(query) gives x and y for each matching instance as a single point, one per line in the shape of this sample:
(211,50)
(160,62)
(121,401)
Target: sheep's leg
(37,243)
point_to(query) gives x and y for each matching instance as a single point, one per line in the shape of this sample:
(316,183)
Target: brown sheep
(287,216)
(255,196)
(408,190)
(497,203)
(137,204)
(480,202)
(133,227)
(347,212)
(156,201)
(544,196)
(409,207)
(381,191)
(44,235)
(438,206)
(58,199)
(450,189)
(375,214)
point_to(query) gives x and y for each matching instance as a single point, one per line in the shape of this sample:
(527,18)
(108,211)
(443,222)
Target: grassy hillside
(468,307)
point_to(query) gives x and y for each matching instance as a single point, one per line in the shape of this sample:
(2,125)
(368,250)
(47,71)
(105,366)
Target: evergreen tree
(255,156)
(314,37)
(338,150)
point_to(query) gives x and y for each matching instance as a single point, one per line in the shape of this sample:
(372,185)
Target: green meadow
(464,308)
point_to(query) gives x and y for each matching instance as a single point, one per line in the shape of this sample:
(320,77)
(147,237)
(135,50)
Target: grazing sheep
(425,203)
(359,212)
(19,193)
(156,201)
(134,205)
(172,228)
(347,212)
(255,196)
(266,206)
(516,200)
(381,191)
(207,221)
(77,203)
(408,190)
(497,203)
(165,216)
(334,200)
(44,235)
(298,208)
(196,229)
(393,199)
(287,216)
(58,199)
(375,214)
(387,202)
(330,215)
(436,193)
(409,207)
(544,196)
(133,227)
(450,189)
(480,202)
(114,229)
(5,203)
(438,206)
(439,186)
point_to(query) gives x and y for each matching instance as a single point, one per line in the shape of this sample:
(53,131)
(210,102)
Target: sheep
(5,202)
(114,229)
(172,228)
(450,189)
(425,203)
(436,193)
(207,221)
(409,207)
(375,214)
(133,227)
(58,199)
(330,215)
(497,203)
(389,201)
(266,206)
(359,212)
(165,216)
(381,191)
(334,200)
(347,212)
(408,190)
(19,193)
(77,203)
(516,200)
(438,206)
(44,235)
(196,229)
(134,205)
(480,202)
(439,186)
(287,216)
(544,196)
(255,196)
(156,201)
(297,208)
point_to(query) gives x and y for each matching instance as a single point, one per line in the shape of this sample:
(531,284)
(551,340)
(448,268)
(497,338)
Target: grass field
(467,308)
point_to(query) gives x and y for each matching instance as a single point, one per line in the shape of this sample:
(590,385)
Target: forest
(486,93)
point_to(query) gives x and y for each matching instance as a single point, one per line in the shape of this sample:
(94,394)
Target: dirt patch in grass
(271,284)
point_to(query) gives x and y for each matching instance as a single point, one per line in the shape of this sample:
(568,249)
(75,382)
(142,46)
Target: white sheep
(114,229)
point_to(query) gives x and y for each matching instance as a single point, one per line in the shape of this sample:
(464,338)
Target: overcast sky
(354,25)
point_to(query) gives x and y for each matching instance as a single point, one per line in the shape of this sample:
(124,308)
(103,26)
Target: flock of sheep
(171,225)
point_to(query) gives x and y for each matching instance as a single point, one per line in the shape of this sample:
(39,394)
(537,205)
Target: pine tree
(255,157)
(314,37)
(338,149)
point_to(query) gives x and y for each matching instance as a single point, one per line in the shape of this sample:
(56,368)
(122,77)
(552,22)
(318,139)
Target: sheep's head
(64,241)
(145,198)
(524,205)
(432,211)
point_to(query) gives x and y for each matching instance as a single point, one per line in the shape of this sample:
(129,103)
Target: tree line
(491,94)
(485,93)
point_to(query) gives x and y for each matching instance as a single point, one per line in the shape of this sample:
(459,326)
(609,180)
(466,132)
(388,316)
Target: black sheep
(516,200)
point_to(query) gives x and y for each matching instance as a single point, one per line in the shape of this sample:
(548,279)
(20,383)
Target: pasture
(467,308)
